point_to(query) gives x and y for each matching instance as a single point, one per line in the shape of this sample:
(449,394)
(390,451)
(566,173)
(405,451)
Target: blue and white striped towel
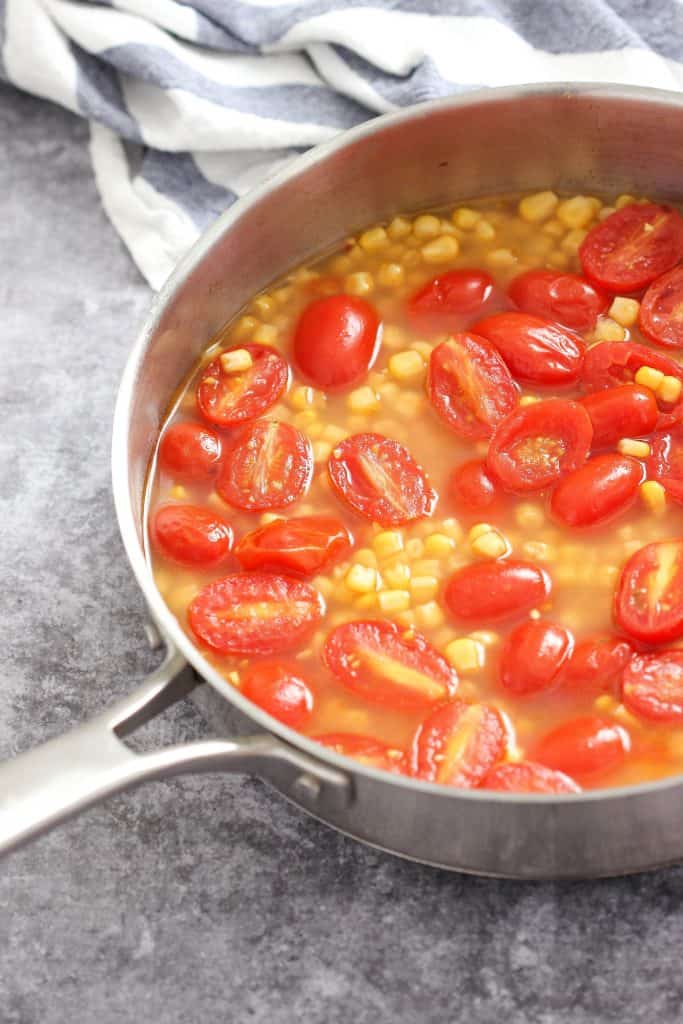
(192,103)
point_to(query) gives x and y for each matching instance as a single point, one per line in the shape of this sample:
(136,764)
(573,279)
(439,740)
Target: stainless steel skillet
(572,138)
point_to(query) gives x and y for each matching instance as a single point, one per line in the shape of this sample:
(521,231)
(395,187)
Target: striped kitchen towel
(192,103)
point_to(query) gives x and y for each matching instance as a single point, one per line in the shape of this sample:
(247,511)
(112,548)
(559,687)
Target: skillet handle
(58,779)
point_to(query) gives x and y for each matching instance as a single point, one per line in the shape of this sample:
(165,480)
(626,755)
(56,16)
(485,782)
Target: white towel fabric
(191,104)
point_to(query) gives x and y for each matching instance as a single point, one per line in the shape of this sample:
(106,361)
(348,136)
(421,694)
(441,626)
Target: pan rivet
(306,788)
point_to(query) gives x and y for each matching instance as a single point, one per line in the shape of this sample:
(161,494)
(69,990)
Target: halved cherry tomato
(493,590)
(380,480)
(473,490)
(255,613)
(458,743)
(450,301)
(367,750)
(596,664)
(538,444)
(226,398)
(568,299)
(191,535)
(536,351)
(190,451)
(653,686)
(528,777)
(336,341)
(584,746)
(533,656)
(266,464)
(302,546)
(596,492)
(624,411)
(665,462)
(381,663)
(470,386)
(649,597)
(279,689)
(617,362)
(661,311)
(633,246)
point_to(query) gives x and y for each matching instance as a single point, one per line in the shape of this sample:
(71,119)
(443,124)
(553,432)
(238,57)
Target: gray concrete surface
(210,898)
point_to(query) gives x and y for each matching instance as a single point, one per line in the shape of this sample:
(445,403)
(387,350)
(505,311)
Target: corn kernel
(411,259)
(178,492)
(360,283)
(406,618)
(390,275)
(245,325)
(501,258)
(265,334)
(389,390)
(414,548)
(321,451)
(269,517)
(537,207)
(637,449)
(441,249)
(648,377)
(670,389)
(538,550)
(558,259)
(452,528)
(391,601)
(301,398)
(396,577)
(624,311)
(654,495)
(365,556)
(429,615)
(529,516)
(305,418)
(465,219)
(478,530)
(400,227)
(423,588)
(366,601)
(393,337)
(528,399)
(424,348)
(387,543)
(236,361)
(486,637)
(426,226)
(334,434)
(361,579)
(624,200)
(578,211)
(484,231)
(465,654)
(573,239)
(264,305)
(554,228)
(324,585)
(608,330)
(490,545)
(341,265)
(426,567)
(406,365)
(606,212)
(373,239)
(363,401)
(437,545)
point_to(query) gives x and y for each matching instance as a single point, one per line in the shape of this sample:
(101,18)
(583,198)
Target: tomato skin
(470,386)
(596,492)
(266,465)
(279,689)
(533,656)
(617,362)
(538,444)
(450,301)
(492,591)
(380,480)
(473,490)
(189,451)
(191,535)
(652,686)
(537,351)
(369,656)
(596,665)
(528,777)
(622,255)
(665,463)
(336,341)
(660,317)
(303,546)
(584,746)
(485,735)
(567,299)
(255,613)
(649,598)
(227,399)
(367,750)
(623,411)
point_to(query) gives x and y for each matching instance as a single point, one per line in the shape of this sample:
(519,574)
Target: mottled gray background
(209,898)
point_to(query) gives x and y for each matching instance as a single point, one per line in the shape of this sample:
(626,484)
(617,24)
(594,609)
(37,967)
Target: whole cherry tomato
(474,491)
(281,690)
(450,301)
(596,492)
(367,750)
(533,656)
(528,777)
(584,746)
(568,299)
(624,411)
(596,664)
(490,591)
(336,341)
(617,362)
(191,535)
(303,546)
(537,351)
(190,451)
(653,686)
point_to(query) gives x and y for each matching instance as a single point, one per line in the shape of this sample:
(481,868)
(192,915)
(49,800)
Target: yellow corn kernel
(264,305)
(365,556)
(654,495)
(414,548)
(605,704)
(314,430)
(441,249)
(269,517)
(389,390)
(236,361)
(334,434)
(321,450)
(390,275)
(484,231)
(465,219)
(363,401)
(478,530)
(245,325)
(624,311)
(324,585)
(608,330)
(429,615)
(573,239)
(406,365)
(578,211)
(301,398)
(387,543)
(486,637)
(501,258)
(423,588)
(625,200)
(648,377)
(400,227)
(637,449)
(438,545)
(396,577)
(529,516)
(393,337)
(538,550)
(360,283)
(178,492)
(282,295)
(447,228)
(341,265)
(606,212)
(391,601)
(411,259)
(490,545)
(465,654)
(624,716)
(305,418)
(557,259)
(426,567)
(361,579)
(452,528)
(373,239)
(424,348)
(265,334)
(366,601)
(406,619)
(537,207)
(670,389)
(426,226)
(554,228)
(528,399)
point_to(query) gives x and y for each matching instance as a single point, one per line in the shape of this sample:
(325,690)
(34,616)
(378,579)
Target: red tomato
(601,489)
(458,743)
(279,689)
(538,444)
(473,490)
(450,301)
(536,351)
(632,247)
(380,480)
(381,662)
(189,451)
(649,597)
(528,777)
(493,590)
(470,386)
(596,664)
(584,746)
(191,535)
(617,362)
(367,750)
(255,613)
(336,341)
(533,655)
(624,411)
(661,311)
(228,398)
(302,546)
(568,299)
(653,686)
(665,463)
(266,465)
